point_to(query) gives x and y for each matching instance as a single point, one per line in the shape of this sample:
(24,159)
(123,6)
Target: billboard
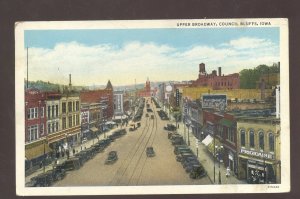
(214,101)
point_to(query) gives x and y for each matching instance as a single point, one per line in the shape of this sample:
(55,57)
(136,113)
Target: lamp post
(219,151)
(188,126)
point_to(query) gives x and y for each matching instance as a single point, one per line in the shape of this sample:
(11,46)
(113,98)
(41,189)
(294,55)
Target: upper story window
(271,142)
(64,109)
(243,138)
(42,112)
(251,139)
(230,134)
(69,106)
(49,111)
(261,141)
(56,111)
(77,105)
(64,123)
(32,113)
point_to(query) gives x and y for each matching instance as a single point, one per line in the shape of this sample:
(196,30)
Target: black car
(177,140)
(183,156)
(42,180)
(170,127)
(71,164)
(57,173)
(189,167)
(112,157)
(150,152)
(197,172)
(179,148)
(189,161)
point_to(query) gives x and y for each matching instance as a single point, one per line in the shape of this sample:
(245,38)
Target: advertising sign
(214,101)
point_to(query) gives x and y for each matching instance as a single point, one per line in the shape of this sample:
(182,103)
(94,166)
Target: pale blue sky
(122,55)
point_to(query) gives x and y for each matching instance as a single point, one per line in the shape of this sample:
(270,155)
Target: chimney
(219,71)
(70,84)
(202,68)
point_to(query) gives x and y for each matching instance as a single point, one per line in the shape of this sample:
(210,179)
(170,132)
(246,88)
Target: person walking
(228,172)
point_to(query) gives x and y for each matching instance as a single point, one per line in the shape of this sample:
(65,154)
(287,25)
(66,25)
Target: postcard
(189,106)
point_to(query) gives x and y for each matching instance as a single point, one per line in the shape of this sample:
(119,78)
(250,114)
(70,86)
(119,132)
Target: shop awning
(110,122)
(36,151)
(211,146)
(94,129)
(226,122)
(208,139)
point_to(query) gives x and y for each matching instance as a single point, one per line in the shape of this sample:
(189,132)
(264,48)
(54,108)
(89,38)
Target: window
(69,106)
(251,134)
(42,129)
(53,127)
(77,119)
(64,107)
(73,106)
(56,126)
(53,111)
(271,142)
(49,128)
(32,113)
(42,112)
(49,111)
(70,121)
(261,141)
(36,112)
(230,134)
(64,123)
(32,133)
(243,138)
(77,105)
(56,113)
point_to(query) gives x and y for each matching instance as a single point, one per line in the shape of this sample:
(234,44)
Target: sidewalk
(77,148)
(206,159)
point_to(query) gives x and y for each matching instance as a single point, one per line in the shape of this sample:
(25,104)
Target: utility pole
(27,69)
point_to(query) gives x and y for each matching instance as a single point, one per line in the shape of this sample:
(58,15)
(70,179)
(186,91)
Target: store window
(251,138)
(261,141)
(271,142)
(32,133)
(243,138)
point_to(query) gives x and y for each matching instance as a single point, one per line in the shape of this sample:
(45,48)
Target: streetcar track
(126,162)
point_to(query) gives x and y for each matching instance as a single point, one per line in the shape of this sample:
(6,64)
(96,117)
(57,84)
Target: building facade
(231,81)
(258,146)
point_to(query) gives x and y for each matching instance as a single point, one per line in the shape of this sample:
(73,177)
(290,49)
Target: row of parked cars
(58,172)
(162,115)
(139,113)
(184,154)
(155,102)
(189,161)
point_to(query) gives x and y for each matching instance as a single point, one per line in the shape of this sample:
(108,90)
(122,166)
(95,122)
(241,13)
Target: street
(133,167)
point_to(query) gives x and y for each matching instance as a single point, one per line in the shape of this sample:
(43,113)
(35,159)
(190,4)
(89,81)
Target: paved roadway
(133,167)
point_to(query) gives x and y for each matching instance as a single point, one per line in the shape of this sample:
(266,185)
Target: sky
(124,55)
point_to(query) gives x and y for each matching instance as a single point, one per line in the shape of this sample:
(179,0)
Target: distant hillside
(48,86)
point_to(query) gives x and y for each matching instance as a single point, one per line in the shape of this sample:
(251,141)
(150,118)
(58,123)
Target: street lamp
(188,124)
(219,151)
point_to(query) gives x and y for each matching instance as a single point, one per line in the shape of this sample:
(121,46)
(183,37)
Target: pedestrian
(227,172)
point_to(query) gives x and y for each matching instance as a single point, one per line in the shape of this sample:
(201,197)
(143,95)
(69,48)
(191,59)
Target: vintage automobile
(150,152)
(197,172)
(170,127)
(42,180)
(112,157)
(178,148)
(71,164)
(57,173)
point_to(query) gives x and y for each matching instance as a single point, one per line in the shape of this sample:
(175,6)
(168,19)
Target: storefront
(257,170)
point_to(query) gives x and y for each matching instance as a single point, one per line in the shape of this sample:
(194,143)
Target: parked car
(178,148)
(170,127)
(150,152)
(197,172)
(71,164)
(57,173)
(182,156)
(42,180)
(112,157)
(177,140)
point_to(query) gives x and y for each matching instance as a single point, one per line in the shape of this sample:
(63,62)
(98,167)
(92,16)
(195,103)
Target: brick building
(104,96)
(217,81)
(35,118)
(146,92)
